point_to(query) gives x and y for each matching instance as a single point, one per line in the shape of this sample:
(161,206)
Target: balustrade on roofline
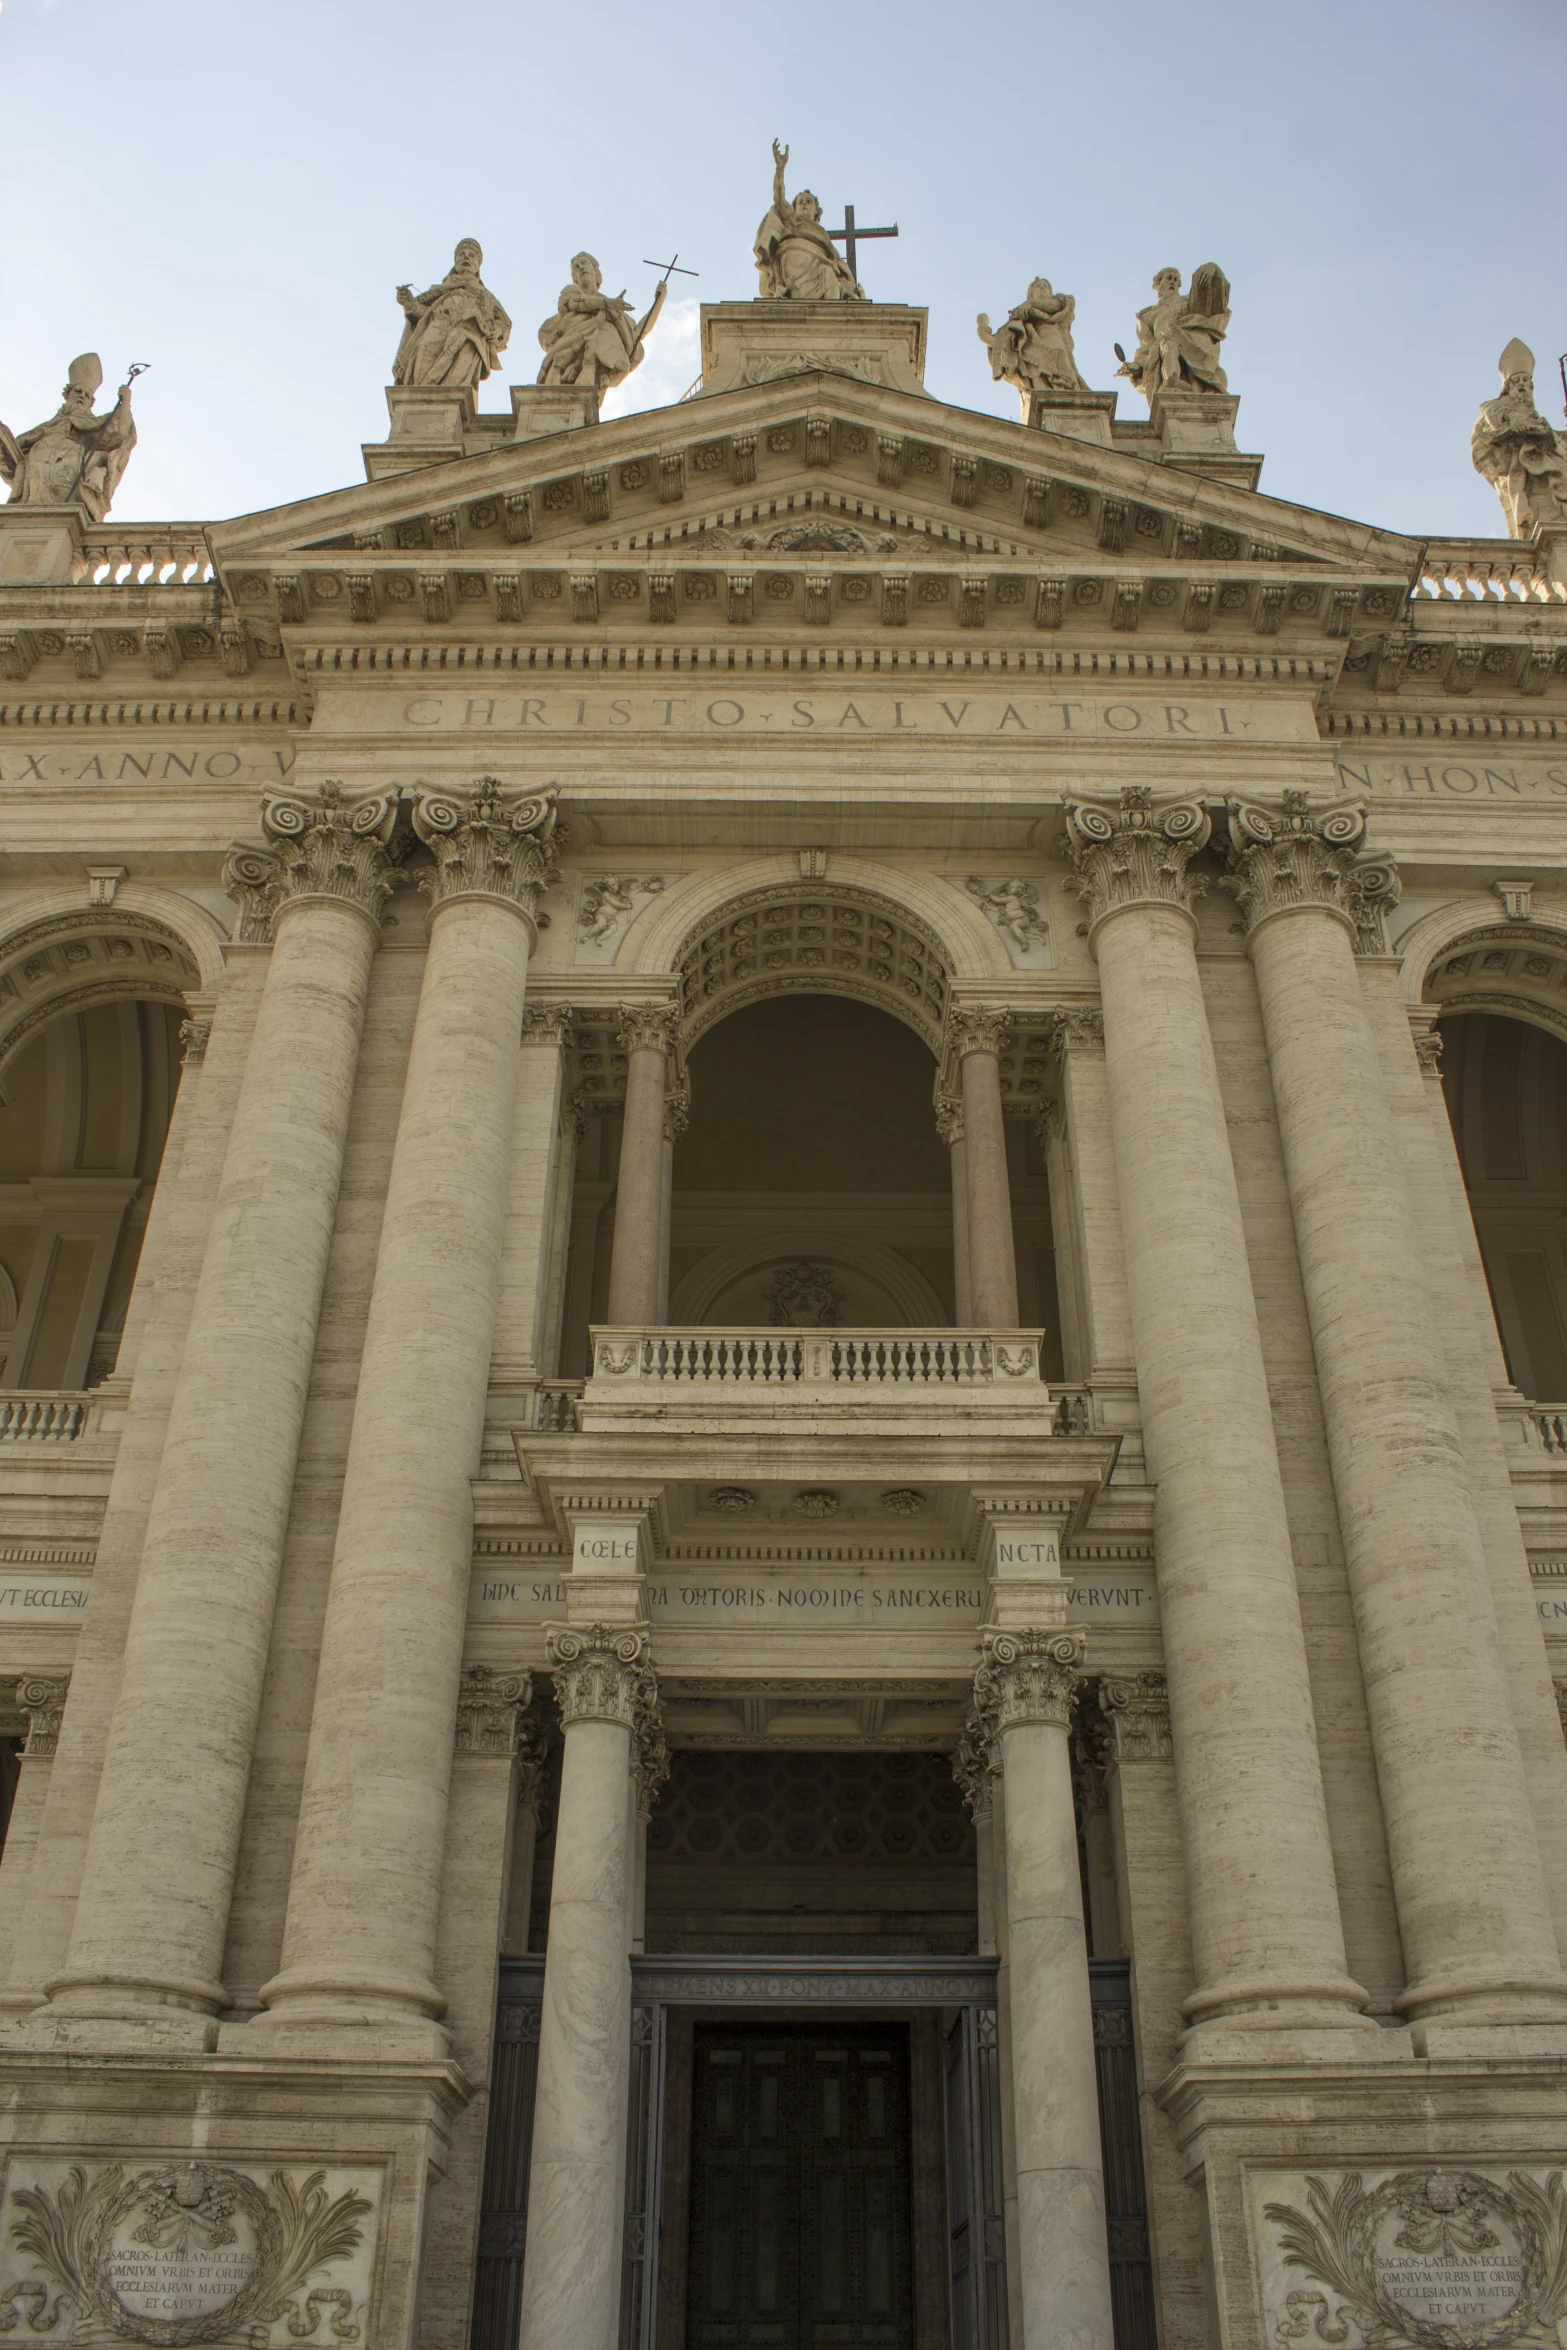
(1486,571)
(148,554)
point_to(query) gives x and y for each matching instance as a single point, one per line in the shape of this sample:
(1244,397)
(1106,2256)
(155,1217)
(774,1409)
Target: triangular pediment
(798,501)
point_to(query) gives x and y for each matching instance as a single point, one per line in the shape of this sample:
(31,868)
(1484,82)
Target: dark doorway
(800,2189)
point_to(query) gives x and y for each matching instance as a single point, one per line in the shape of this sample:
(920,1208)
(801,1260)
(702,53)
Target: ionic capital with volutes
(1028,1677)
(650,1028)
(601,1673)
(492,845)
(1137,1708)
(1282,859)
(979,1028)
(41,1698)
(1134,851)
(490,1708)
(318,847)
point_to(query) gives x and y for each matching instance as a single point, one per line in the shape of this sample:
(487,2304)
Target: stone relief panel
(1012,906)
(189,2252)
(610,903)
(1425,2258)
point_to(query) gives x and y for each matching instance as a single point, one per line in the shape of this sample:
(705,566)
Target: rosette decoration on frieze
(316,846)
(1134,851)
(1294,855)
(490,844)
(1027,1677)
(187,2253)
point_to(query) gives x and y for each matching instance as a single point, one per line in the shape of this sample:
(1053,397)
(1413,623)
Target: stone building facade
(783,1511)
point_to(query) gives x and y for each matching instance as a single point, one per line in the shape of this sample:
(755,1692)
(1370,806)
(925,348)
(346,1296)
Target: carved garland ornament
(1133,853)
(115,2250)
(1292,857)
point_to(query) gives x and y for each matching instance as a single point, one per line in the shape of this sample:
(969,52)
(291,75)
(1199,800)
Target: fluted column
(1267,1939)
(646,1036)
(150,1922)
(608,1700)
(1473,1911)
(1023,1699)
(980,1034)
(360,1936)
(949,1125)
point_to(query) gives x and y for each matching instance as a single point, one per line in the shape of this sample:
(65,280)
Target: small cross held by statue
(849,236)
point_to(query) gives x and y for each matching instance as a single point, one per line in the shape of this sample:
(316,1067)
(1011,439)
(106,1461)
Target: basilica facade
(783,1433)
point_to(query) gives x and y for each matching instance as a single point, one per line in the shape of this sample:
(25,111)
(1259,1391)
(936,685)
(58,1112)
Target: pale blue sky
(232,194)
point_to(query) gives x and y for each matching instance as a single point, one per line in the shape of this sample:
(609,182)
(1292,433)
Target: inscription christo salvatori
(1420,2259)
(939,716)
(189,2252)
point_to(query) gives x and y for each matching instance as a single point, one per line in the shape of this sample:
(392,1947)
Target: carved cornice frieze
(490,845)
(1282,858)
(490,1707)
(1133,852)
(41,1697)
(1028,1677)
(601,1673)
(647,1028)
(980,1028)
(1077,1028)
(316,847)
(1137,1708)
(547,1024)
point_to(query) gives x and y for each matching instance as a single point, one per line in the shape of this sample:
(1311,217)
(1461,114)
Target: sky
(231,194)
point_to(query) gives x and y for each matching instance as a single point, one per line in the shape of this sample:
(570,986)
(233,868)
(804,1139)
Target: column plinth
(1268,1942)
(153,1911)
(1473,1911)
(359,1944)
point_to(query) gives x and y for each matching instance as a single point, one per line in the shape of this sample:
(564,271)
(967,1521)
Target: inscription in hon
(189,2252)
(1433,2258)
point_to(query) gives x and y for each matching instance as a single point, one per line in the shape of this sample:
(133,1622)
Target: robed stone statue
(796,260)
(592,338)
(1178,335)
(1519,452)
(454,333)
(1032,347)
(77,458)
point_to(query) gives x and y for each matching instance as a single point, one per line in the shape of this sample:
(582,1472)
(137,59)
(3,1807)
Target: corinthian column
(646,1036)
(1023,1698)
(1473,1911)
(1267,1941)
(150,1923)
(980,1034)
(360,1937)
(608,1700)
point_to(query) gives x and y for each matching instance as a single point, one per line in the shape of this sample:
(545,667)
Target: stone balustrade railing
(1550,1422)
(39,1416)
(1487,571)
(817,1358)
(148,554)
(557,1406)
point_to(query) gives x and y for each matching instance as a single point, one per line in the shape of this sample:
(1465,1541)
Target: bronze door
(800,2233)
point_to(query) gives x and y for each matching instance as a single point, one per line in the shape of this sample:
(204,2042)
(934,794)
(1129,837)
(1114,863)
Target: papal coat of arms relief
(187,2253)
(1432,2258)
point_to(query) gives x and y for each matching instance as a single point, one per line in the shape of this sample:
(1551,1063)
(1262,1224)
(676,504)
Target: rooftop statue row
(78,457)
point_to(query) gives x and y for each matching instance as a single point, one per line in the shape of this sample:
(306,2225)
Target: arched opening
(88,1099)
(1505,1082)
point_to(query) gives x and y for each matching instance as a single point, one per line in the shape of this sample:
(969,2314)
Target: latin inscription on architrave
(845,1600)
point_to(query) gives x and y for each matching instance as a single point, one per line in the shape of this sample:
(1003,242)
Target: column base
(345,2035)
(1484,2000)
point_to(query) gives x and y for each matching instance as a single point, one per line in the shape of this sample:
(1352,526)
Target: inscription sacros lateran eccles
(1432,2257)
(188,2252)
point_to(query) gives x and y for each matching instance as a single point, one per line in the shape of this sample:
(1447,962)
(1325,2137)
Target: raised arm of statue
(780,158)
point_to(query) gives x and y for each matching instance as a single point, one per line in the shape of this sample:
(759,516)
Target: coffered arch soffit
(813,937)
(1516,969)
(58,955)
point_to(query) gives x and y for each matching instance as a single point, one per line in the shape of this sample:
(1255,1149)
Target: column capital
(1137,1708)
(502,848)
(547,1024)
(1291,856)
(1426,1038)
(601,1672)
(647,1028)
(1134,851)
(41,1697)
(195,1034)
(317,846)
(1028,1676)
(1077,1028)
(979,1028)
(490,1707)
(949,1117)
